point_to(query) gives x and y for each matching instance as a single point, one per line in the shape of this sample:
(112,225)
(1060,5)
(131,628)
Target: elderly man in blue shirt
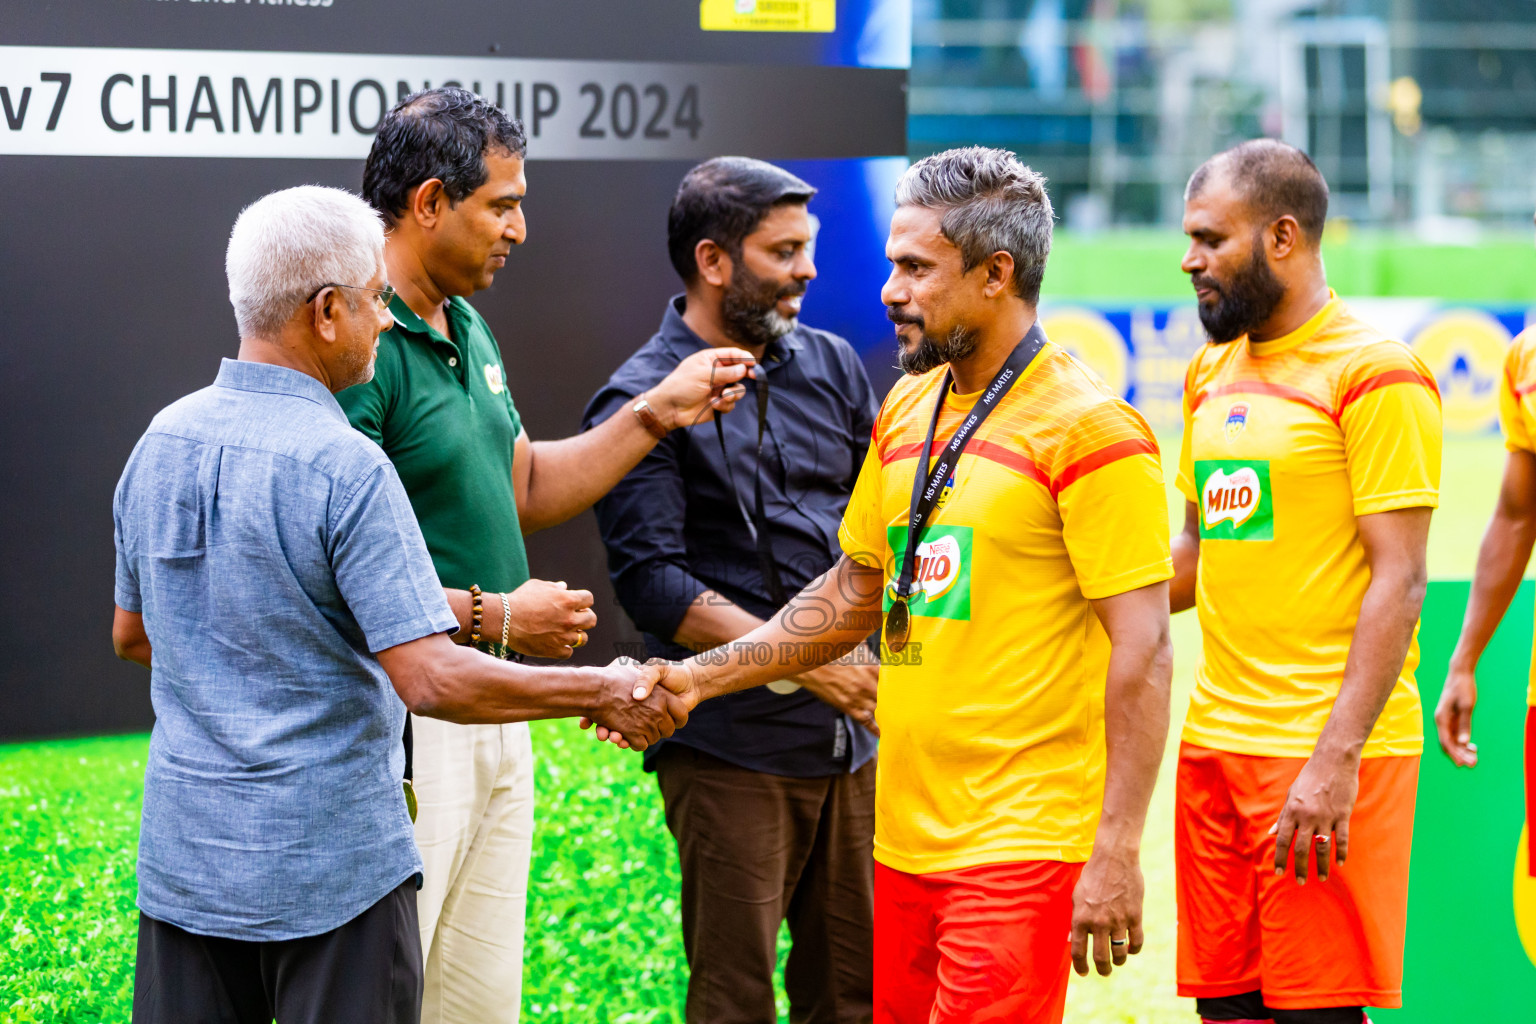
(769,792)
(271,575)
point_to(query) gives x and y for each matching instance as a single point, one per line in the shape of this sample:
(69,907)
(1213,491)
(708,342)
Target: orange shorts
(1242,929)
(982,944)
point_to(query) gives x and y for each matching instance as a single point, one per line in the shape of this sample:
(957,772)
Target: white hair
(288,244)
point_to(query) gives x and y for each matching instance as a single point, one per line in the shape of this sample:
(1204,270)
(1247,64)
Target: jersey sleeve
(1108,479)
(1184,480)
(506,392)
(862,533)
(1389,412)
(1513,418)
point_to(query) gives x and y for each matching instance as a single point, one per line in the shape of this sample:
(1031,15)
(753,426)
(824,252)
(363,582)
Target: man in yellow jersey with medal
(1024,694)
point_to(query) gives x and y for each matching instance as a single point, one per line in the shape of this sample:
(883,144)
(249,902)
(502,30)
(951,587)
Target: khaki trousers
(474,827)
(757,850)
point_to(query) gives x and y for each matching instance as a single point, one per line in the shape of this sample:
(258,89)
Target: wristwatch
(648,418)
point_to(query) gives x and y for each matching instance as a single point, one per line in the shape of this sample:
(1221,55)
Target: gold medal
(898,625)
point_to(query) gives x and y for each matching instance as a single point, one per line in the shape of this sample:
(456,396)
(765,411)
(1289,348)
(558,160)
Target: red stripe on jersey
(1101,458)
(989,450)
(1264,387)
(1003,456)
(901,451)
(1382,380)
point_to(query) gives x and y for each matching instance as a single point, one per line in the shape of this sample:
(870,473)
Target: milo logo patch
(1235,500)
(941,587)
(938,567)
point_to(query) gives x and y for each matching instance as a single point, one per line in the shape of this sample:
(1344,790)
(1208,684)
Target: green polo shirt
(439,408)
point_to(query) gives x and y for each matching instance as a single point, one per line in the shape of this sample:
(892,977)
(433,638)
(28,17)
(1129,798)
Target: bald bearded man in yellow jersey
(1311,461)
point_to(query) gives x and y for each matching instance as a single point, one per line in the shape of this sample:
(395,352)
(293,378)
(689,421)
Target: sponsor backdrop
(135,130)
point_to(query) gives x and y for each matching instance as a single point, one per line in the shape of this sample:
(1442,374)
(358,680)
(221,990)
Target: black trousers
(758,850)
(368,971)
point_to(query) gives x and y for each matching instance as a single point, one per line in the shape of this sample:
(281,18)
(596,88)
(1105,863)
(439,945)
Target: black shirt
(674,528)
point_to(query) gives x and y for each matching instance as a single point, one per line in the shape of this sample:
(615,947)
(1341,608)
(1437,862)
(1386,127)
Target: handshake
(641,704)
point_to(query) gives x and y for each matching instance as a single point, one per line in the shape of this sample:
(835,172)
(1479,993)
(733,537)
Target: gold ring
(582,641)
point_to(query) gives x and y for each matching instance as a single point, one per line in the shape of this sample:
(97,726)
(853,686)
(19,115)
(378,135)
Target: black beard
(748,308)
(1243,303)
(929,354)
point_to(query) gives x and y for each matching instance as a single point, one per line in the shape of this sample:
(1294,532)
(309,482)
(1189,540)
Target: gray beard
(930,355)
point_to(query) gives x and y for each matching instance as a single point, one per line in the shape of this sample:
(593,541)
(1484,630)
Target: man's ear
(324,311)
(999,268)
(1283,237)
(714,263)
(428,202)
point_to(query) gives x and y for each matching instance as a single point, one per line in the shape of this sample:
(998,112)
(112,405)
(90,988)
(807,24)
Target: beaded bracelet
(476,613)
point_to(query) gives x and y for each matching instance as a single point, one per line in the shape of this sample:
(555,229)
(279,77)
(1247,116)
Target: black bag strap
(757,518)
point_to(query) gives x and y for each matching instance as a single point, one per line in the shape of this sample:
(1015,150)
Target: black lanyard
(757,519)
(928,485)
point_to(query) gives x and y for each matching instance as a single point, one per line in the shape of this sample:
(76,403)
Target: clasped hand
(674,679)
(632,710)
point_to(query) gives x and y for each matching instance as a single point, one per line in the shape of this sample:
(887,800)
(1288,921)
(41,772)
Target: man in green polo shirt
(446,172)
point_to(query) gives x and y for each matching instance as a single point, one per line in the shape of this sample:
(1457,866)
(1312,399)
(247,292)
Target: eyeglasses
(383,295)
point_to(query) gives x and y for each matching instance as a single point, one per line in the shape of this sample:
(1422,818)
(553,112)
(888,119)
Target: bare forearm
(1136,702)
(1186,561)
(1388,615)
(465,686)
(138,653)
(129,639)
(822,623)
(713,620)
(1501,562)
(1186,568)
(567,477)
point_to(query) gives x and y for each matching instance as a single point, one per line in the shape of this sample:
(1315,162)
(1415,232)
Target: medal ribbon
(926,487)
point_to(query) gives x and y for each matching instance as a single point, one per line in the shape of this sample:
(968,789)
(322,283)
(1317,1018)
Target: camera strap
(757,518)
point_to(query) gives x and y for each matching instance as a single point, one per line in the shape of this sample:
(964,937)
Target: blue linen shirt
(673,529)
(272,551)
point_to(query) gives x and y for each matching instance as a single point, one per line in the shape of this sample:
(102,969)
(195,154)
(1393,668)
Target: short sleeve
(382,567)
(126,589)
(1512,415)
(367,405)
(1390,416)
(506,392)
(1113,503)
(862,533)
(1185,479)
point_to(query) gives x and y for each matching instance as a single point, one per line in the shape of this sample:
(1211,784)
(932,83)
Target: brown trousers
(759,849)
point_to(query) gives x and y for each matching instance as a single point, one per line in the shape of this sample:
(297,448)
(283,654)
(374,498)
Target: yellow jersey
(1285,443)
(1517,415)
(992,717)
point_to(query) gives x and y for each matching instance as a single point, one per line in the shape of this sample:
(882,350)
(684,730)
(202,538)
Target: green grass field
(603,942)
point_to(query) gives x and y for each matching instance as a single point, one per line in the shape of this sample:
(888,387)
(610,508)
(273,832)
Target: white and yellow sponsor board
(768,15)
